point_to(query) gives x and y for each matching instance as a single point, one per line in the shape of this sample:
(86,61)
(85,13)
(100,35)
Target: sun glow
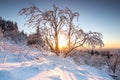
(62,41)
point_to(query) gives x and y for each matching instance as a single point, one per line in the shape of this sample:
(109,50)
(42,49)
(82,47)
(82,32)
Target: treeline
(9,30)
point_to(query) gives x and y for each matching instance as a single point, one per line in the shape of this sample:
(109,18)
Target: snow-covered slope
(48,67)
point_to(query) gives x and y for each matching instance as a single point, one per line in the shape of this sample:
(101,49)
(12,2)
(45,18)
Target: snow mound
(50,68)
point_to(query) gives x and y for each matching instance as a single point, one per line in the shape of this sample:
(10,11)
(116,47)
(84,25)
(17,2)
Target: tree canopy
(54,22)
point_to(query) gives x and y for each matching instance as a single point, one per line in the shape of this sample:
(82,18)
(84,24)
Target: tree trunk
(69,36)
(69,41)
(56,44)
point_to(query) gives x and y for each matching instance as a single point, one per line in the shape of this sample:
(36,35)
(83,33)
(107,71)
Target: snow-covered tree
(35,39)
(53,22)
(1,33)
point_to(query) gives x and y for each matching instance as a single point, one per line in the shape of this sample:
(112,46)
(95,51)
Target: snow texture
(47,66)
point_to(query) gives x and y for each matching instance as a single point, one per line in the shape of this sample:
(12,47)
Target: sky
(95,15)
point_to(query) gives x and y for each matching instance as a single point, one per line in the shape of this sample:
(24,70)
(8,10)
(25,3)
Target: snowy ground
(48,67)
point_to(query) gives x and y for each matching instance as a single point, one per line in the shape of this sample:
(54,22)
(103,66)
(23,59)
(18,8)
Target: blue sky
(96,15)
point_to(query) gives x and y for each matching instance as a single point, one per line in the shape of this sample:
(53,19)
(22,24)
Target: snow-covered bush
(86,58)
(107,61)
(114,60)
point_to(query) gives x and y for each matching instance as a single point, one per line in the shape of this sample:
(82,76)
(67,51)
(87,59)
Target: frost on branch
(94,39)
(80,38)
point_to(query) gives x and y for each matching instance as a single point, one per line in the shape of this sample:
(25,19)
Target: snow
(46,67)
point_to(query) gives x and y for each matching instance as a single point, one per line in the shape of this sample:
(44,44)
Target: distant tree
(1,33)
(35,39)
(9,30)
(53,22)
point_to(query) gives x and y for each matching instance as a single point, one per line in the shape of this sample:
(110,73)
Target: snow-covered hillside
(46,66)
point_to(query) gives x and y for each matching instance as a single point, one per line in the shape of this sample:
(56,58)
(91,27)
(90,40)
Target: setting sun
(62,41)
